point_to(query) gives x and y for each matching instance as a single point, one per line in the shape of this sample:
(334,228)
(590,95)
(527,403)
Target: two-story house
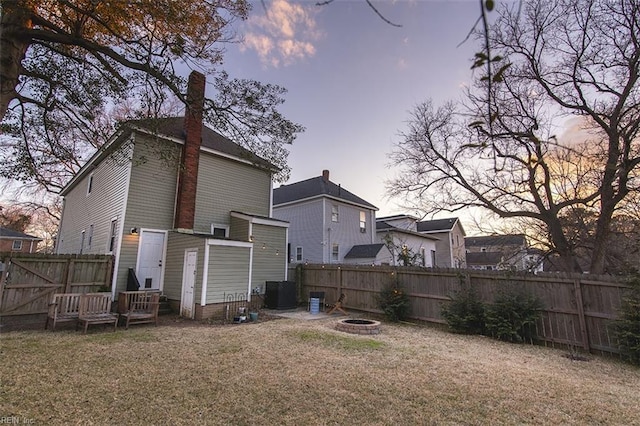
(509,251)
(450,249)
(406,245)
(183,207)
(326,221)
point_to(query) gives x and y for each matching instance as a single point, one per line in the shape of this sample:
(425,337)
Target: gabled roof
(364,251)
(496,240)
(386,227)
(438,225)
(314,188)
(16,235)
(174,127)
(171,128)
(397,216)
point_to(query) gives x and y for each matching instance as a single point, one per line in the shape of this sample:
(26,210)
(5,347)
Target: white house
(399,234)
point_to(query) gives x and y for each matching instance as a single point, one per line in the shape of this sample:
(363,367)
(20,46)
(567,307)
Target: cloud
(402,64)
(284,34)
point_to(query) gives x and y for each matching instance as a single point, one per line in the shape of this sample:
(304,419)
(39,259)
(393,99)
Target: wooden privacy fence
(578,308)
(29,281)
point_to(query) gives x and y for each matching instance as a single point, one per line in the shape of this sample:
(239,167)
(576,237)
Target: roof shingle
(316,187)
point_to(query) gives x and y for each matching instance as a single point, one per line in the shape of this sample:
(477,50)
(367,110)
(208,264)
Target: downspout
(205,275)
(286,257)
(324,226)
(250,273)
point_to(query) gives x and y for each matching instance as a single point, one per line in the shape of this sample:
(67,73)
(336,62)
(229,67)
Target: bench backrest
(65,304)
(138,301)
(94,304)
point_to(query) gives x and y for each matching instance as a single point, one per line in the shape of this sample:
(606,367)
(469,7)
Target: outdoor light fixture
(134,231)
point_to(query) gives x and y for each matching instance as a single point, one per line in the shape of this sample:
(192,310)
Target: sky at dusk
(352,79)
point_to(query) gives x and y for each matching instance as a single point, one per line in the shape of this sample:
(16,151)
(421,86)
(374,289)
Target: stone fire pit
(358,326)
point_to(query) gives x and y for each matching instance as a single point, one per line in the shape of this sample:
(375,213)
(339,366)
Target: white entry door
(188,283)
(150,257)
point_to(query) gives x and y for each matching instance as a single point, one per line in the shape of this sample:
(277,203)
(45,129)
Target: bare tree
(499,152)
(64,64)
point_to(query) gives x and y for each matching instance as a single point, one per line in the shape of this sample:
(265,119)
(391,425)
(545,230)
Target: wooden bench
(63,308)
(95,308)
(138,307)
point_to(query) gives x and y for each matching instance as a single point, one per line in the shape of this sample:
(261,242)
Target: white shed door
(188,284)
(150,259)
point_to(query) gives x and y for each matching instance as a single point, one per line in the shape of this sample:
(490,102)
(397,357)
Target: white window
(90,184)
(335,252)
(299,256)
(17,245)
(433,258)
(221,231)
(113,234)
(363,222)
(334,213)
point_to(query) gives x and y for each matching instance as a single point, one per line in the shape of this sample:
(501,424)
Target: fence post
(67,276)
(581,318)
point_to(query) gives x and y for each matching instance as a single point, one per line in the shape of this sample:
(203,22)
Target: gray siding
(305,228)
(225,185)
(346,232)
(443,249)
(177,245)
(450,249)
(269,264)
(106,201)
(228,272)
(458,248)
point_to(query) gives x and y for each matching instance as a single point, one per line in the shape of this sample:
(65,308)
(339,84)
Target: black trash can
(280,295)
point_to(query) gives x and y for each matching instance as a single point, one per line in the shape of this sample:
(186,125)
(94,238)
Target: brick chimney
(325,176)
(188,177)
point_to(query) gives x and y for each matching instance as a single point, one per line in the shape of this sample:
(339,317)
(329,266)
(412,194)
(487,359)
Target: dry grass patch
(295,372)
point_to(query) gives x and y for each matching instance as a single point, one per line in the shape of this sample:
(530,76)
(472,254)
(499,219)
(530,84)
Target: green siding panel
(269,264)
(106,201)
(225,185)
(178,244)
(152,192)
(228,272)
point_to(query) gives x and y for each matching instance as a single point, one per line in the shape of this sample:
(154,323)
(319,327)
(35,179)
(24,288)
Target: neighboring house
(185,208)
(450,250)
(15,241)
(502,252)
(402,240)
(326,220)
